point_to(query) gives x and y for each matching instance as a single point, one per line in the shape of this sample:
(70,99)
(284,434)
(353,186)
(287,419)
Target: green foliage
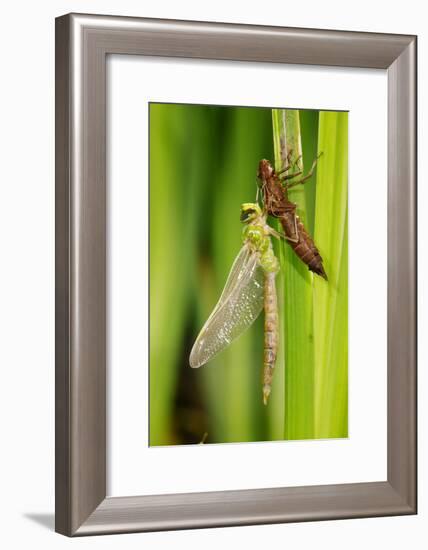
(203,163)
(331,300)
(314,319)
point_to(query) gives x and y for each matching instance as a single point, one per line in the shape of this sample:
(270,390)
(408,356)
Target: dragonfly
(250,288)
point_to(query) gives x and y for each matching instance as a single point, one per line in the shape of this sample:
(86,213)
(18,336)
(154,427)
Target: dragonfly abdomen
(270,333)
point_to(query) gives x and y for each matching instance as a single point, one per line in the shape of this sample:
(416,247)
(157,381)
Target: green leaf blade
(331,300)
(295,282)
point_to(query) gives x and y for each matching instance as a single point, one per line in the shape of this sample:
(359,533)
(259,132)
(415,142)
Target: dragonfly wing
(239,305)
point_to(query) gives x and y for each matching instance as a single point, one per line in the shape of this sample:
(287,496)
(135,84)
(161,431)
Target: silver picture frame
(82,45)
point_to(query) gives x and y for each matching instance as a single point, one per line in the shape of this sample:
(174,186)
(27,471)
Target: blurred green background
(203,164)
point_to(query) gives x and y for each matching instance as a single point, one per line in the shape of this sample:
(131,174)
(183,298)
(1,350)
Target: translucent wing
(239,305)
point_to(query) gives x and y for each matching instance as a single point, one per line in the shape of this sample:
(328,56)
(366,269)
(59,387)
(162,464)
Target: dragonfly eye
(250,211)
(247,214)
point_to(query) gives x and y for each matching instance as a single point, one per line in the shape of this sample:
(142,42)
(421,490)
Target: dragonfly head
(250,211)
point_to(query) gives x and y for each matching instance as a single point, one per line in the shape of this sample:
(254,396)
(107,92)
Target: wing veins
(239,305)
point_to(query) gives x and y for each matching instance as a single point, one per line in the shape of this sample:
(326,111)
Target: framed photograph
(235,274)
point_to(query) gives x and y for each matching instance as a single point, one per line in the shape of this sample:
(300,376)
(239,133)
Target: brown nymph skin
(277,204)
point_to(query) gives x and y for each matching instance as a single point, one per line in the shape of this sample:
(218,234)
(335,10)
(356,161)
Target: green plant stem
(295,290)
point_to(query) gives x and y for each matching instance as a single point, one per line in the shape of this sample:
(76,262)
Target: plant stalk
(295,291)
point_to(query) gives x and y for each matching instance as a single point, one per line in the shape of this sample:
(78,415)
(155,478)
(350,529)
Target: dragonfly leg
(297,160)
(296,231)
(286,169)
(305,178)
(293,165)
(291,176)
(290,163)
(279,235)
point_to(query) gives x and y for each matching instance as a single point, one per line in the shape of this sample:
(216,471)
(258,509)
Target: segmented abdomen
(305,247)
(271,333)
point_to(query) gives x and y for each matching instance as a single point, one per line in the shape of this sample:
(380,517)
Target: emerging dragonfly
(249,287)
